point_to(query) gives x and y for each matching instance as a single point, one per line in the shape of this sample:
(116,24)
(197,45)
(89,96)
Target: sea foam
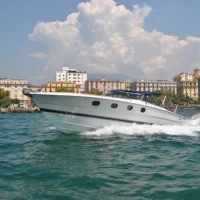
(190,128)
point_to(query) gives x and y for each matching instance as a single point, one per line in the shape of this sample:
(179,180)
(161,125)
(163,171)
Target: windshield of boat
(125,95)
(150,99)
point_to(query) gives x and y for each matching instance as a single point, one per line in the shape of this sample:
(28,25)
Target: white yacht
(73,112)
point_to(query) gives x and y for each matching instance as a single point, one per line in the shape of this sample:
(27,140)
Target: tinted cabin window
(143,110)
(149,100)
(95,103)
(126,95)
(114,105)
(129,107)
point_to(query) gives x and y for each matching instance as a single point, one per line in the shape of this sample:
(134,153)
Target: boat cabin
(138,95)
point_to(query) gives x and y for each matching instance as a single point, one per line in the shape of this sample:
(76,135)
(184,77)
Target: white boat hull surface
(70,112)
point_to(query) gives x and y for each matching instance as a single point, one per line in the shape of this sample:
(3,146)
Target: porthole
(143,110)
(129,107)
(95,103)
(114,105)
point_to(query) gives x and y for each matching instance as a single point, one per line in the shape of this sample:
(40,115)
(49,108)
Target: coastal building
(197,75)
(34,88)
(153,85)
(105,85)
(187,83)
(72,76)
(15,88)
(61,86)
(125,85)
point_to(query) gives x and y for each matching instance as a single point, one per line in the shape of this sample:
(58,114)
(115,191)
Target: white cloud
(38,55)
(105,38)
(193,39)
(153,64)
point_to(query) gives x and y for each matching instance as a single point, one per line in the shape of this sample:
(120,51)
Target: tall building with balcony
(197,75)
(187,84)
(105,85)
(153,85)
(73,76)
(15,88)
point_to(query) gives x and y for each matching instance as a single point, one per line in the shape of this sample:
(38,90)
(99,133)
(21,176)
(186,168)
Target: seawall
(183,107)
(19,110)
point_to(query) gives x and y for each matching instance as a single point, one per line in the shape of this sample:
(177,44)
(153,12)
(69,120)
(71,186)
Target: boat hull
(71,112)
(77,124)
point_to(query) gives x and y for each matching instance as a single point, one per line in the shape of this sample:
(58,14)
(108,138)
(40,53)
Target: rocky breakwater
(19,110)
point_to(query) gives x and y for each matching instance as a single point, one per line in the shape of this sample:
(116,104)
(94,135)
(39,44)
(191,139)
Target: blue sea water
(135,162)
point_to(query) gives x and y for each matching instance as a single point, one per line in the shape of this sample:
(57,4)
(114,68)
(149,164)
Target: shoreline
(37,110)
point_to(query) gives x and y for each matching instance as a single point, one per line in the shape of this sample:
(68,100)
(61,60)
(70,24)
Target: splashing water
(190,128)
(50,128)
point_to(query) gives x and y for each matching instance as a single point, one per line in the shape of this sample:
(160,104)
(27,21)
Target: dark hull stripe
(91,116)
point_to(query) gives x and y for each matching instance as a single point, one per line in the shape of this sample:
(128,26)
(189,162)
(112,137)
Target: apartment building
(153,85)
(125,85)
(53,86)
(73,76)
(15,88)
(197,75)
(187,83)
(104,85)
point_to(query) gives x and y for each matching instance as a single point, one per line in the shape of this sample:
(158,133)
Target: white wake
(190,128)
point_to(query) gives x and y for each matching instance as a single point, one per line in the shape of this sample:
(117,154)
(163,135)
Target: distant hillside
(120,77)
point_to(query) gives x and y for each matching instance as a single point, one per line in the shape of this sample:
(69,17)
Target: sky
(149,39)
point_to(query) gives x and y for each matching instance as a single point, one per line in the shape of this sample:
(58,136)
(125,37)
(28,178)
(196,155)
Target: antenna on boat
(163,102)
